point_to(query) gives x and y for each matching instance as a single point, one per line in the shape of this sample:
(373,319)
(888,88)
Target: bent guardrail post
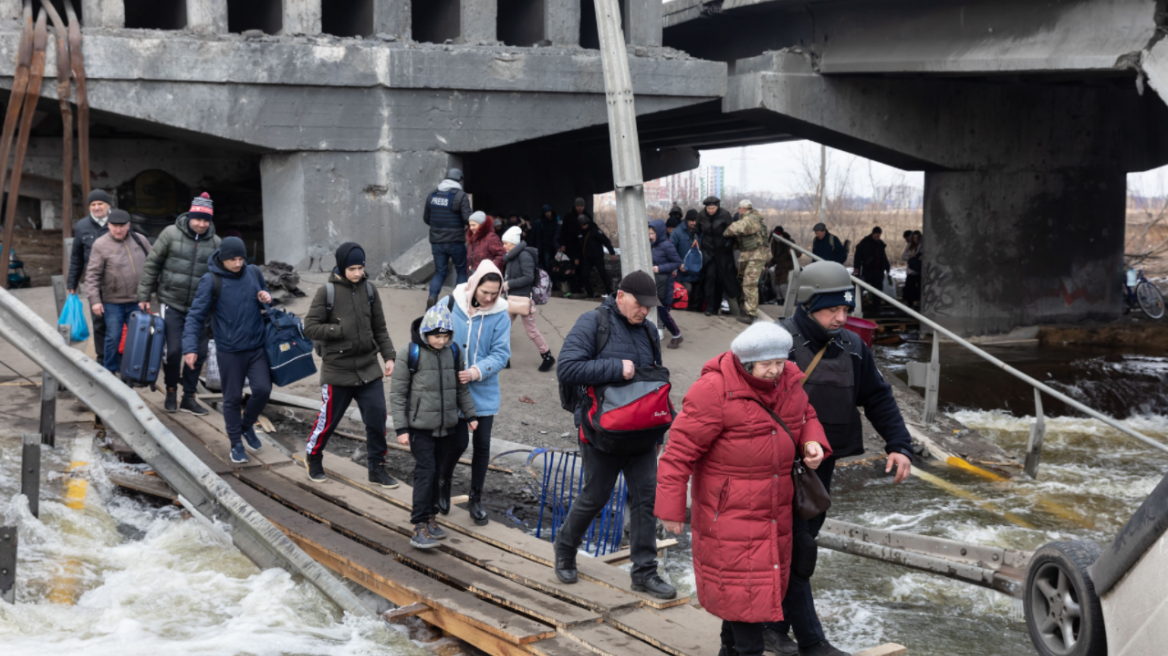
(8,544)
(124,412)
(1050,391)
(30,471)
(1034,444)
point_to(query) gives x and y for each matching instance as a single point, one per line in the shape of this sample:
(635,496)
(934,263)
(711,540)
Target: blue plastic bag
(693,260)
(73,315)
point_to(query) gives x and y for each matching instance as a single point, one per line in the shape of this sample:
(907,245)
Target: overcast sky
(783,168)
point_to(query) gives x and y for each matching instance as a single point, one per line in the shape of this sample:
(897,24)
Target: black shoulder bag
(811,498)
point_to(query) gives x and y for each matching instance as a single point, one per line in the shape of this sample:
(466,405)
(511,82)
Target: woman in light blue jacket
(482,330)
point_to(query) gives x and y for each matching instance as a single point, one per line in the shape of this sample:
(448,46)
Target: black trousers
(876,279)
(429,457)
(744,637)
(334,401)
(233,369)
(912,289)
(481,458)
(798,605)
(175,320)
(600,473)
(99,336)
(584,271)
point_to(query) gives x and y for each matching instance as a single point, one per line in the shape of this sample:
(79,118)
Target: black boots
(549,361)
(444,496)
(476,507)
(655,587)
(566,568)
(171,403)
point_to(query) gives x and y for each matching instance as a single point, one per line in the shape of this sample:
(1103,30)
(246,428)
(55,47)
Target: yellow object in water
(63,589)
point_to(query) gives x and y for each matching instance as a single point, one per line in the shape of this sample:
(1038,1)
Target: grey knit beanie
(762,341)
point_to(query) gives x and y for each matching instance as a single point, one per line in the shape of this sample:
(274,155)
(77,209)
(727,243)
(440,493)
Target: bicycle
(1139,292)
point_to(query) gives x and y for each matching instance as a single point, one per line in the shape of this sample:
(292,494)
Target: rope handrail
(1110,421)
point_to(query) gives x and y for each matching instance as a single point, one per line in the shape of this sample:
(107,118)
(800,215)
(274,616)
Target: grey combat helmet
(821,278)
(454,174)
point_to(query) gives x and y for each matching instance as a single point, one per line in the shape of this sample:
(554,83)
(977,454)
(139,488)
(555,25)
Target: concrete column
(10,10)
(477,19)
(301,17)
(643,24)
(103,13)
(392,17)
(561,19)
(1012,249)
(207,16)
(315,201)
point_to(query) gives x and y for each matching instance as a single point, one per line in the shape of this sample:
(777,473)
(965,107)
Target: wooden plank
(494,533)
(890,649)
(608,641)
(404,612)
(436,563)
(210,430)
(559,646)
(145,484)
(679,639)
(618,557)
(220,463)
(504,563)
(462,614)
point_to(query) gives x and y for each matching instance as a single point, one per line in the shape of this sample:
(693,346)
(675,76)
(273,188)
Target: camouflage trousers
(750,272)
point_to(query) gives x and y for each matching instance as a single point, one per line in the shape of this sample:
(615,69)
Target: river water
(1091,479)
(123,577)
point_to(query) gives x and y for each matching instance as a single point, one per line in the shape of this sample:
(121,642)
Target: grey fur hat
(762,341)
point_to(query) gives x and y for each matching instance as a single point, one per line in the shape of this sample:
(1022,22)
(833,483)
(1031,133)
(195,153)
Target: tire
(1063,613)
(1151,300)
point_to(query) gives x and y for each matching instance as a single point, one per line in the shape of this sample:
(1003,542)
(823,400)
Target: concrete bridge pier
(1006,249)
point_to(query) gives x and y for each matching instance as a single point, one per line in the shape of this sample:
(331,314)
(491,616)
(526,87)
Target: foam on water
(176,586)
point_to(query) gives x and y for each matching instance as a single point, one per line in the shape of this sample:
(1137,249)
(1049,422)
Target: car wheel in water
(1063,613)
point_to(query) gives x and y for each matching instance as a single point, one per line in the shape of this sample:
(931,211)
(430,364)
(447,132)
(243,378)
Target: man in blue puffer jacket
(238,326)
(632,342)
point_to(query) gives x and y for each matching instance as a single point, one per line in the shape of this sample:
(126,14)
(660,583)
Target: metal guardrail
(1036,384)
(124,412)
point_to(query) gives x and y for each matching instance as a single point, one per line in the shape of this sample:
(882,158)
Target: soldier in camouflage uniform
(751,233)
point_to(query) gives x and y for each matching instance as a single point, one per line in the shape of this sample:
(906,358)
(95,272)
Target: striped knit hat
(202,207)
(437,320)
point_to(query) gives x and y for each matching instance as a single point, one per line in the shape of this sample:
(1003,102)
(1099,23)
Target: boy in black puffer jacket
(350,335)
(426,397)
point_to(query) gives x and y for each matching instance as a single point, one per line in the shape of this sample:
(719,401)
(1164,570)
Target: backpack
(680,296)
(542,289)
(330,297)
(289,351)
(572,395)
(415,352)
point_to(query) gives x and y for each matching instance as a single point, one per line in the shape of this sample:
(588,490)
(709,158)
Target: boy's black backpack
(330,297)
(416,351)
(572,395)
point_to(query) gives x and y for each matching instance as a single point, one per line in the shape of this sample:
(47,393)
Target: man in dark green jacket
(175,265)
(351,334)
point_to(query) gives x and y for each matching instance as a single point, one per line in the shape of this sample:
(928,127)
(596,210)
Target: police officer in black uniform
(841,375)
(447,213)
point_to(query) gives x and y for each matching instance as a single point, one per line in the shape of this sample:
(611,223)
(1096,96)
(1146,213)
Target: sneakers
(422,538)
(378,476)
(822,649)
(189,404)
(251,440)
(779,643)
(315,467)
(436,531)
(549,361)
(171,404)
(675,342)
(656,587)
(238,455)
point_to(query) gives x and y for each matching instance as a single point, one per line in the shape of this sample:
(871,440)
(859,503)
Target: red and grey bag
(628,417)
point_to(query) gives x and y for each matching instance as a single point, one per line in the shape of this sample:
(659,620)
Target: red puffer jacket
(740,459)
(484,244)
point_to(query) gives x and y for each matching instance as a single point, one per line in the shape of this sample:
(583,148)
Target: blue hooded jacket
(665,256)
(683,240)
(236,320)
(485,339)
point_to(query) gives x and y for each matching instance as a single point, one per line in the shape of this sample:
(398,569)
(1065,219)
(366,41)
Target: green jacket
(175,265)
(350,337)
(429,399)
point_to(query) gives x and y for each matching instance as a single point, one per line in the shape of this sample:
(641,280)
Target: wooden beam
(404,612)
(145,484)
(606,640)
(618,557)
(678,639)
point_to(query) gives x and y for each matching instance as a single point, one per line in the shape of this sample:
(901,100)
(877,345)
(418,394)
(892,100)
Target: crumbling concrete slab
(415,265)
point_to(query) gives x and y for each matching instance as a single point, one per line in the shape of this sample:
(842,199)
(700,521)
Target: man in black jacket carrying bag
(631,342)
(85,233)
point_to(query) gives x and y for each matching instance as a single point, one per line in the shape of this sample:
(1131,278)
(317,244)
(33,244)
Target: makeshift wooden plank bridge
(491,586)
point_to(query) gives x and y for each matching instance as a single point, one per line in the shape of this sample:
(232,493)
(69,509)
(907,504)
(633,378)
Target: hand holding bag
(811,498)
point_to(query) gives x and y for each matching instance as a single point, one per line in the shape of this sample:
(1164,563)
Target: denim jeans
(234,368)
(442,254)
(116,316)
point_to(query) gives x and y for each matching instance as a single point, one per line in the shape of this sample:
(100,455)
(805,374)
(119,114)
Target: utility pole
(632,221)
(823,184)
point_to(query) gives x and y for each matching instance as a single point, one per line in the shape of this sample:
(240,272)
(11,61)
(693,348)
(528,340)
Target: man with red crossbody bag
(612,380)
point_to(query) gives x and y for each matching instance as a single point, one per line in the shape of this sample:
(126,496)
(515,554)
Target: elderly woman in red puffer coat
(740,459)
(482,243)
